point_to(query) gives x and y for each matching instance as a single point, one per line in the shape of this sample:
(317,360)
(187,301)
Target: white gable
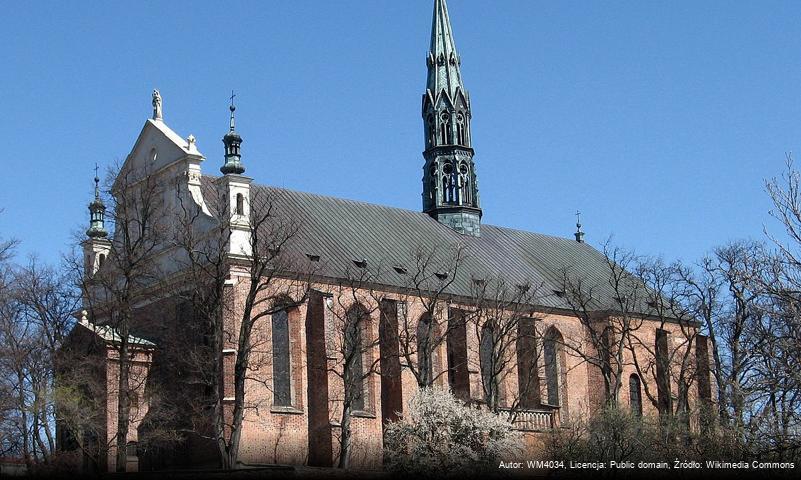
(157,147)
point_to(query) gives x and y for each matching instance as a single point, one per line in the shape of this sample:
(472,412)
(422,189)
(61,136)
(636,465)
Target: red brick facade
(308,431)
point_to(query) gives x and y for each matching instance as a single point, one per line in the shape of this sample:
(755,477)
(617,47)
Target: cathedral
(300,270)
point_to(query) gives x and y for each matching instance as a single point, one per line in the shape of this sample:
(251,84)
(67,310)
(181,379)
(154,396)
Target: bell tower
(97,246)
(236,189)
(450,184)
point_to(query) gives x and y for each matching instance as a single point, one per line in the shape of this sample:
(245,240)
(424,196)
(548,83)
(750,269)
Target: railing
(534,420)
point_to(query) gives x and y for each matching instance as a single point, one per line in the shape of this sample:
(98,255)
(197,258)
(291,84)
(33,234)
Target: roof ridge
(391,207)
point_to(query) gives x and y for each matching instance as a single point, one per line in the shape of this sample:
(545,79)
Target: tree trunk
(123,403)
(26,449)
(344,449)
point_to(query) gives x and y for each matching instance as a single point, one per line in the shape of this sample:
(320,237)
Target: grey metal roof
(340,231)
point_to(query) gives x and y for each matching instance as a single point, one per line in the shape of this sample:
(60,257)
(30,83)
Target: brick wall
(308,431)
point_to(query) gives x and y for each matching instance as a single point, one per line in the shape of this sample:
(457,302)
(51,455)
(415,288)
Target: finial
(97,183)
(233,109)
(97,226)
(233,142)
(157,113)
(579,234)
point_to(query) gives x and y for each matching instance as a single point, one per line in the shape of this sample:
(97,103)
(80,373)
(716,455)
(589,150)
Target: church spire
(97,213)
(232,141)
(579,233)
(450,185)
(443,59)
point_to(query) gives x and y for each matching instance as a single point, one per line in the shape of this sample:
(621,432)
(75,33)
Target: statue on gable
(156,105)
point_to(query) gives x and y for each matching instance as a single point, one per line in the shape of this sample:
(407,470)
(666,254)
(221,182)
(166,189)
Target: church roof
(342,232)
(111,335)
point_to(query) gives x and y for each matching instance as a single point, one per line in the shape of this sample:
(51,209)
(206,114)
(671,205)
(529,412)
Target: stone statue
(156,105)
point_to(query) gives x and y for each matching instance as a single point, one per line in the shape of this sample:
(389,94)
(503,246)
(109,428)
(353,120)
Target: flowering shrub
(439,435)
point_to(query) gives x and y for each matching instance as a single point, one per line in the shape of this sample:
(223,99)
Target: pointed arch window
(487,362)
(449,184)
(528,382)
(554,360)
(282,394)
(425,340)
(456,343)
(460,130)
(445,129)
(464,185)
(432,130)
(357,316)
(664,400)
(635,395)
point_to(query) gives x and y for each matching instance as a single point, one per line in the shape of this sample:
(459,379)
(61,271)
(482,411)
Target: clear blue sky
(658,120)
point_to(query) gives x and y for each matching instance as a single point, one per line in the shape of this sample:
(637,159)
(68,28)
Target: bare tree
(670,360)
(35,317)
(500,310)
(428,284)
(610,311)
(353,344)
(273,278)
(129,275)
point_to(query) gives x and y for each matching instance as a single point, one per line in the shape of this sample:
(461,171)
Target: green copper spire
(450,184)
(232,141)
(97,213)
(443,59)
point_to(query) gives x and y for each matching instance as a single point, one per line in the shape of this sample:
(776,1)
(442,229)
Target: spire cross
(97,183)
(232,108)
(578,219)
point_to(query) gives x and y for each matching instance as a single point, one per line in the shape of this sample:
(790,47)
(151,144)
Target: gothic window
(487,363)
(664,400)
(281,364)
(240,204)
(445,129)
(702,367)
(354,356)
(635,395)
(606,358)
(704,384)
(432,130)
(553,357)
(100,260)
(460,129)
(424,349)
(433,190)
(527,373)
(464,185)
(447,183)
(458,374)
(130,450)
